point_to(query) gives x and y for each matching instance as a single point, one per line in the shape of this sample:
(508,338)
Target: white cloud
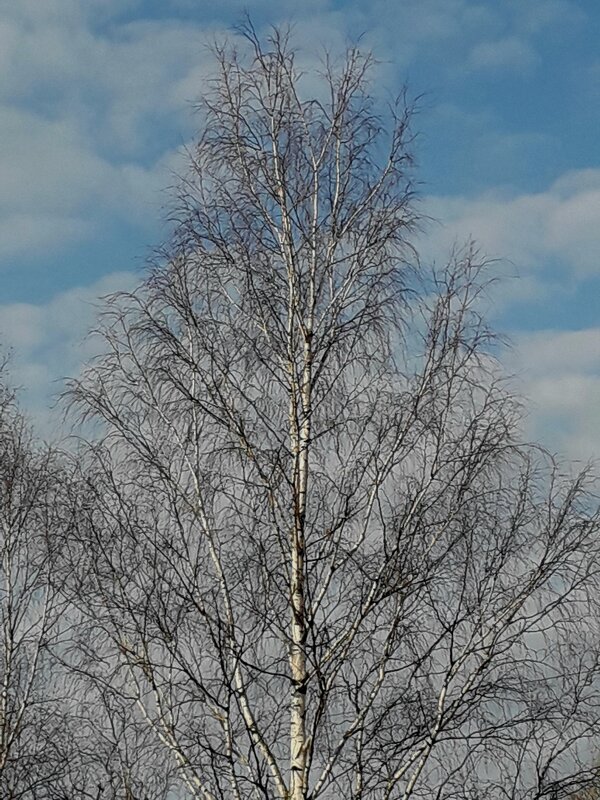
(39,233)
(561,224)
(55,189)
(49,342)
(113,80)
(560,375)
(106,97)
(469,33)
(545,351)
(91,106)
(45,164)
(534,16)
(511,53)
(89,118)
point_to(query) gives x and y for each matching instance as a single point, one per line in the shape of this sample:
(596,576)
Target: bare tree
(60,737)
(111,756)
(317,558)
(33,722)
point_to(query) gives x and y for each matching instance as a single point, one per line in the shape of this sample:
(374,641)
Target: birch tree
(33,695)
(318,559)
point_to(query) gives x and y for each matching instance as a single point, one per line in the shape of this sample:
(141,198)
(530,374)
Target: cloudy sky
(95,106)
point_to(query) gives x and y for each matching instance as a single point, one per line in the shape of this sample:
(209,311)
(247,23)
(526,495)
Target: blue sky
(95,105)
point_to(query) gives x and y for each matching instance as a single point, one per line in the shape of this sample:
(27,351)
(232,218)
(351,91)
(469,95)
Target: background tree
(110,757)
(316,557)
(33,693)
(61,738)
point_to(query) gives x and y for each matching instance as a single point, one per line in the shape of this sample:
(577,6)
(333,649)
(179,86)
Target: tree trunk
(301,440)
